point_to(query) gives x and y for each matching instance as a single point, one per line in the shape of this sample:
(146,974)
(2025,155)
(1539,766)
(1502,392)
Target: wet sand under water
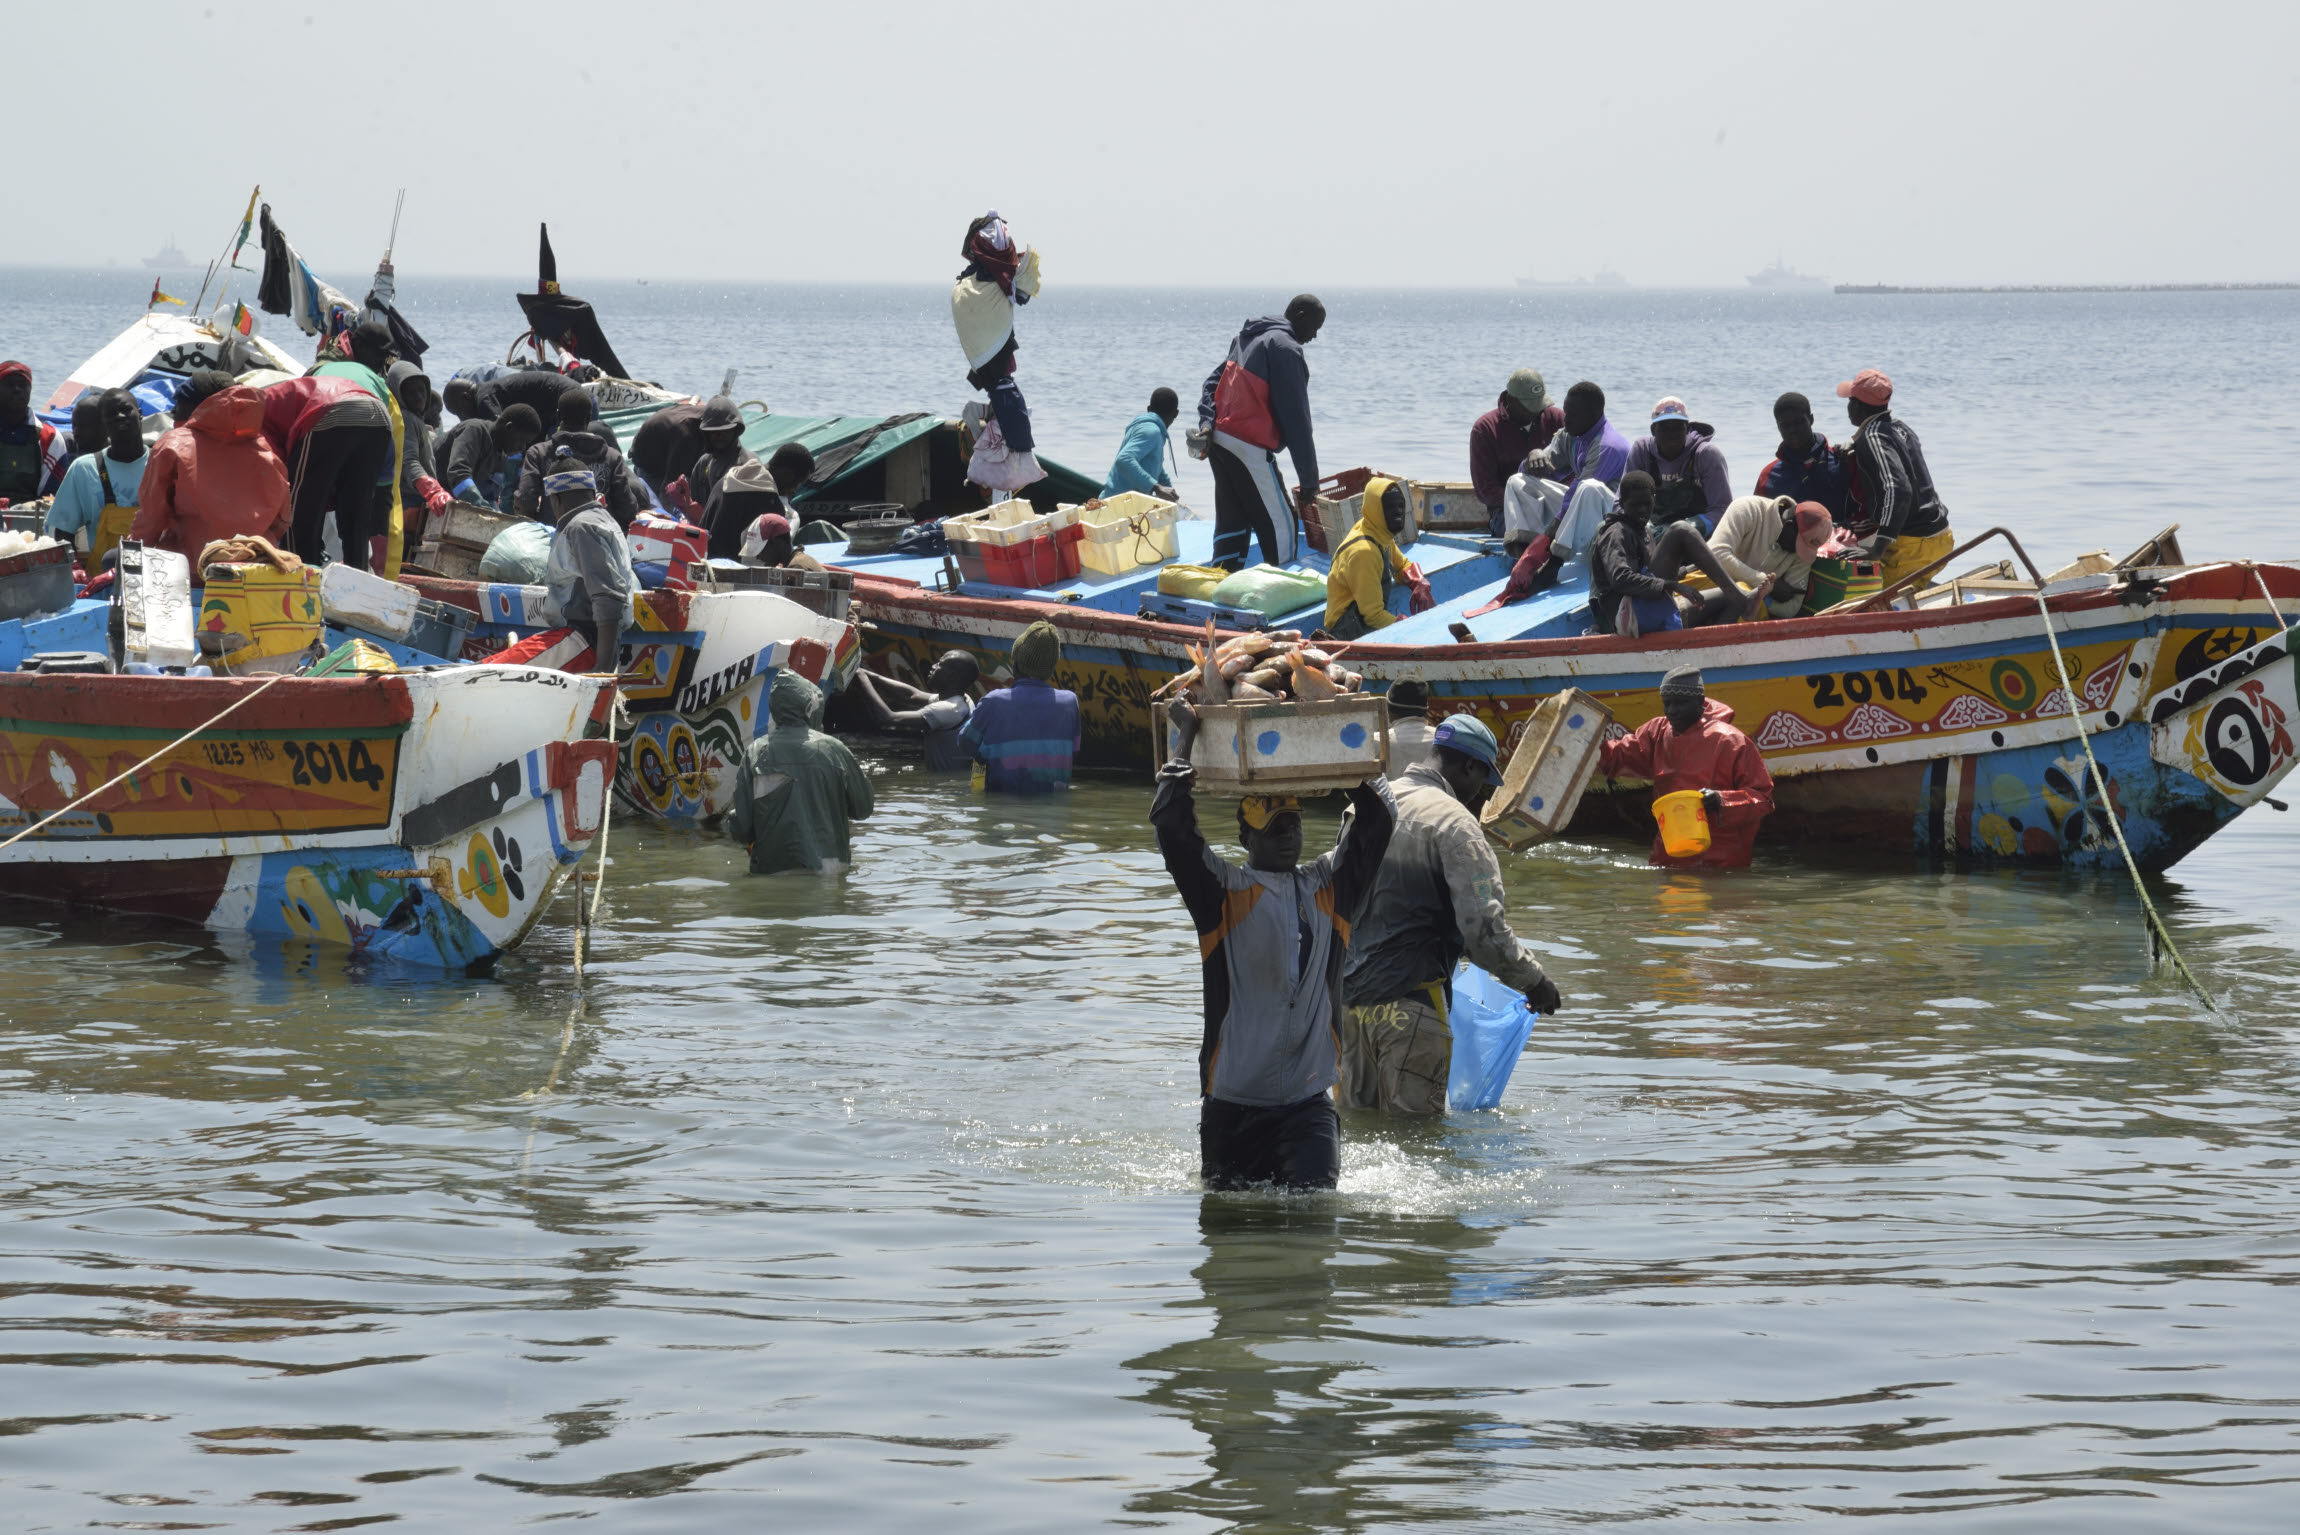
(872,1200)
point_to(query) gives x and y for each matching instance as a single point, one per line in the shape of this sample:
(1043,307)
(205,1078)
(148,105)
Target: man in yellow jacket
(1369,564)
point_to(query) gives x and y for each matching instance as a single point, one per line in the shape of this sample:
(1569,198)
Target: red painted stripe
(179,703)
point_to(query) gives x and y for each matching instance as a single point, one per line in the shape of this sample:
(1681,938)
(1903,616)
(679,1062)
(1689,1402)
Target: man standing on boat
(1565,491)
(1272,937)
(1522,421)
(32,453)
(578,435)
(1694,745)
(96,504)
(1901,515)
(721,428)
(479,456)
(1254,404)
(1807,466)
(213,477)
(1437,899)
(1690,483)
(1141,461)
(588,574)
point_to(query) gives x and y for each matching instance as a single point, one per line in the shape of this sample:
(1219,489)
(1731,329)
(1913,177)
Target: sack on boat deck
(517,555)
(1490,1025)
(1196,581)
(1271,590)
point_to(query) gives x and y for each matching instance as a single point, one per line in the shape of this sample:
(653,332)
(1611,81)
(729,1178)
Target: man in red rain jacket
(1694,746)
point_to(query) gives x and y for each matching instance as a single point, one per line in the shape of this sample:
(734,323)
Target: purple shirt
(1701,458)
(1600,454)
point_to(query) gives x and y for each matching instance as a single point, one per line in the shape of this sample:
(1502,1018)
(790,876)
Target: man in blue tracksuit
(1256,403)
(1141,461)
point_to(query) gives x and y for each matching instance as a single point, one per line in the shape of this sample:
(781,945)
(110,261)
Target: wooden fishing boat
(695,669)
(425,818)
(1941,731)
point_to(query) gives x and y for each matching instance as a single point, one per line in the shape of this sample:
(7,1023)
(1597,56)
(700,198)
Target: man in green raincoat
(799,788)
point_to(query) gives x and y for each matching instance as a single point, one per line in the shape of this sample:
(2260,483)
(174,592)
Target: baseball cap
(1670,408)
(1814,525)
(1260,810)
(1868,386)
(1467,734)
(12,368)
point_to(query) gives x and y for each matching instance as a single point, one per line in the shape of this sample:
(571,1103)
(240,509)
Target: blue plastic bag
(1490,1025)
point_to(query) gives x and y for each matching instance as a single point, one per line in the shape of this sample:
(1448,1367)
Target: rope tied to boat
(183,740)
(585,916)
(2162,951)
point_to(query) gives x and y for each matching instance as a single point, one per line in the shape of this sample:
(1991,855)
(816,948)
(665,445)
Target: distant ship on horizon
(1608,278)
(1782,275)
(167,258)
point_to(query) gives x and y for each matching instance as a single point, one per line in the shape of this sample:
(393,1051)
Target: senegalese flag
(243,321)
(161,298)
(247,225)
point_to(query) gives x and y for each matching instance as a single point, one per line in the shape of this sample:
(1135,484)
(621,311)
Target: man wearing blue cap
(589,573)
(1437,898)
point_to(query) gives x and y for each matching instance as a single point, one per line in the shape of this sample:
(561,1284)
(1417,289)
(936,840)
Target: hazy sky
(1341,143)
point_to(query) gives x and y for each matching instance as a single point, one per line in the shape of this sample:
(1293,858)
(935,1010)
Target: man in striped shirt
(1024,734)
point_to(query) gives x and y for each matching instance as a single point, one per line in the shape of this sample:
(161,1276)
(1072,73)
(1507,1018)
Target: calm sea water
(866,1203)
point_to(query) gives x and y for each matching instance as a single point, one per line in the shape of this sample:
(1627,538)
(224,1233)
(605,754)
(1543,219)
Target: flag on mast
(243,320)
(247,227)
(161,298)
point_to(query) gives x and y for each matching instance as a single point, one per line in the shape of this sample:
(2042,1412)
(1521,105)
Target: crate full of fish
(1276,715)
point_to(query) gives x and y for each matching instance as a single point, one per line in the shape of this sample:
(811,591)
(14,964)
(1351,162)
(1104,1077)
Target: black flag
(566,323)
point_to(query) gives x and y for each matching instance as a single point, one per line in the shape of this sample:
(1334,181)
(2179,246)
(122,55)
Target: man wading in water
(1272,934)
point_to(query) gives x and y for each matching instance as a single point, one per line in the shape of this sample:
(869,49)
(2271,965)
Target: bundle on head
(1264,666)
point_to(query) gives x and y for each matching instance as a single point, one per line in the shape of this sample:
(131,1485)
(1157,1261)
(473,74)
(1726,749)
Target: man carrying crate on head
(1272,934)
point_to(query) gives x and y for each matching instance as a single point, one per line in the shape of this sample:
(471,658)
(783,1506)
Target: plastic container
(1549,769)
(1684,823)
(1285,747)
(254,612)
(828,592)
(1126,532)
(361,600)
(440,628)
(1836,581)
(1447,505)
(1009,522)
(38,581)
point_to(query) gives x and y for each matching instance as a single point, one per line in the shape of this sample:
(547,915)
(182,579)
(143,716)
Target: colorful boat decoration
(1942,731)
(695,669)
(424,818)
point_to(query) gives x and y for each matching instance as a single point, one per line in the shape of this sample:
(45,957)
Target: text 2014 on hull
(1943,731)
(425,818)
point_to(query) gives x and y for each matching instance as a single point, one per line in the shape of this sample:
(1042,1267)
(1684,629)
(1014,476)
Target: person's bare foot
(1753,606)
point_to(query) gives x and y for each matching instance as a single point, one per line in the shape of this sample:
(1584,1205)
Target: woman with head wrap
(1026,733)
(998,275)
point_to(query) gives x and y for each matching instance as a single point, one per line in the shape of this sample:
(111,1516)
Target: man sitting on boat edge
(1633,572)
(1690,481)
(1564,492)
(1901,514)
(1771,538)
(1807,466)
(1522,421)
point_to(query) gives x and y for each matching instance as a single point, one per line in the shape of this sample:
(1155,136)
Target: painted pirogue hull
(424,819)
(696,667)
(1902,732)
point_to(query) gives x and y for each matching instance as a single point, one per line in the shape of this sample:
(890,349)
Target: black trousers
(1295,1146)
(339,467)
(1242,513)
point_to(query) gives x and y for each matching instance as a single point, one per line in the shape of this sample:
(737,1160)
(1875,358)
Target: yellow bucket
(1684,823)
